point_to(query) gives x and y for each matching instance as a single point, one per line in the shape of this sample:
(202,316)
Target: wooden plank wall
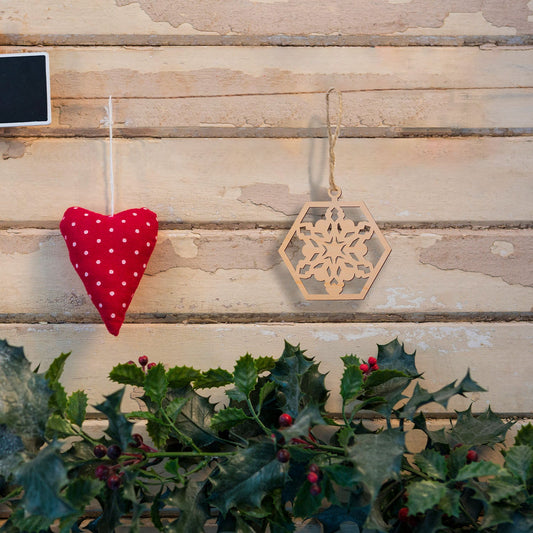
(220,129)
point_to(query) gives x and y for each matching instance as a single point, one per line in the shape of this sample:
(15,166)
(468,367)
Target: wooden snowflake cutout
(334,250)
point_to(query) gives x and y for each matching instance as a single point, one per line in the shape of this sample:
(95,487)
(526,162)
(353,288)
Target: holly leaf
(305,503)
(246,477)
(77,407)
(389,391)
(525,435)
(432,463)
(173,409)
(519,461)
(287,373)
(214,377)
(312,387)
(351,383)
(192,503)
(450,503)
(264,364)
(351,360)
(501,487)
(59,427)
(265,390)
(55,370)
(307,418)
(392,356)
(485,429)
(158,432)
(194,419)
(228,418)
(156,383)
(181,376)
(127,374)
(24,397)
(43,478)
(57,402)
(119,427)
(423,495)
(518,523)
(10,446)
(389,447)
(245,375)
(80,492)
(480,469)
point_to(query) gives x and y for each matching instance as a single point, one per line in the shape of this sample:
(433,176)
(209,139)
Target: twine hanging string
(333,134)
(109,122)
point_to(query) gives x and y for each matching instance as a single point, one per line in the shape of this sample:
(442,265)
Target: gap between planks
(272,318)
(10,39)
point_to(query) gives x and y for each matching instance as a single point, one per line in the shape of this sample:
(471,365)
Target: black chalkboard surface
(24,89)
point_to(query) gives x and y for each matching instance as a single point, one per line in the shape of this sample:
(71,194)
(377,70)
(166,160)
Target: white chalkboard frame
(48,98)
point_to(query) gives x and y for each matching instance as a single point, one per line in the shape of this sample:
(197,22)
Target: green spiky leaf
(264,364)
(77,407)
(525,435)
(432,464)
(519,461)
(59,427)
(247,477)
(228,418)
(181,376)
(350,360)
(267,388)
(55,370)
(119,427)
(480,469)
(156,383)
(192,503)
(215,377)
(43,478)
(127,374)
(245,375)
(423,495)
(307,418)
(351,383)
(392,356)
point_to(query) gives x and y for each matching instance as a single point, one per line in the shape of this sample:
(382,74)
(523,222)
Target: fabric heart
(110,254)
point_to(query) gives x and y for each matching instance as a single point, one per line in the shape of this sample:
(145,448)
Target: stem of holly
(189,454)
(256,417)
(185,438)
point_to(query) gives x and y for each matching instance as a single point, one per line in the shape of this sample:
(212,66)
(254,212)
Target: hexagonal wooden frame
(376,267)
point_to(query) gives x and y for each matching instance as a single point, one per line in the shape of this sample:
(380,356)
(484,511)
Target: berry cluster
(314,476)
(143,361)
(368,368)
(112,474)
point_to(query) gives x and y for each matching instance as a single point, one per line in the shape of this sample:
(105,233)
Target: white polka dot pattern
(112,256)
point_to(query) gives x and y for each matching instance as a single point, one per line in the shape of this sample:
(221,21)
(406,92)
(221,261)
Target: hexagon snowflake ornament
(334,250)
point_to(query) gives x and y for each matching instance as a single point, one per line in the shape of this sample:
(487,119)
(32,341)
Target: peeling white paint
(371,332)
(396,295)
(502,248)
(326,336)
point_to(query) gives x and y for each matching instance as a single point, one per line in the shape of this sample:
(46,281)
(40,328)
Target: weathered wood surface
(498,355)
(263,22)
(266,181)
(366,113)
(236,272)
(206,71)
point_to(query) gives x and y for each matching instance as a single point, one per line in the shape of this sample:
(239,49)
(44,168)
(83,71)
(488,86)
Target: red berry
(150,365)
(99,451)
(372,361)
(403,514)
(101,472)
(114,451)
(314,468)
(472,456)
(137,441)
(285,420)
(143,360)
(130,362)
(312,477)
(364,368)
(374,367)
(283,455)
(113,482)
(315,489)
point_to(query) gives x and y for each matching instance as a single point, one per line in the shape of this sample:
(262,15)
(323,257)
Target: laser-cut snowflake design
(335,251)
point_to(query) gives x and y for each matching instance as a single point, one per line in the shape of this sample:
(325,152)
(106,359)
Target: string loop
(109,122)
(333,134)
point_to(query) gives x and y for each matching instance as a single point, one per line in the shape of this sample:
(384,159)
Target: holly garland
(269,455)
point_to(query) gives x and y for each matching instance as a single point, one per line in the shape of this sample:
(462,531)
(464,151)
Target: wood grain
(266,181)
(165,72)
(153,22)
(445,352)
(210,272)
(367,113)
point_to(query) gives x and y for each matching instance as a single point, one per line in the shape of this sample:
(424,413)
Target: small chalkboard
(24,89)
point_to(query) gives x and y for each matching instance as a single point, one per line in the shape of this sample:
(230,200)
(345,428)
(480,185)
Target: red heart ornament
(110,254)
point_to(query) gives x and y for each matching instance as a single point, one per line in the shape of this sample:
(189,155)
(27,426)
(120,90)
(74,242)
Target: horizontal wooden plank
(266,181)
(165,72)
(386,113)
(92,22)
(445,352)
(210,272)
